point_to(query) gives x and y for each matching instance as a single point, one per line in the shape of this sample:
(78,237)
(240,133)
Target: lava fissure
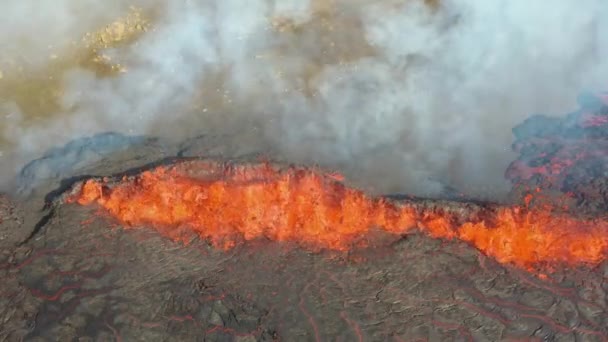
(38,227)
(225,203)
(57,195)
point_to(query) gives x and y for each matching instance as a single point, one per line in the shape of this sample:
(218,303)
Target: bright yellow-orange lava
(224,204)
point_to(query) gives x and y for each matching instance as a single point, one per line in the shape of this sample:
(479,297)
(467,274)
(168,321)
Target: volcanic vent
(226,203)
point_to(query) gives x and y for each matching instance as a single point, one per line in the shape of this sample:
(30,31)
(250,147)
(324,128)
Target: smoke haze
(410,94)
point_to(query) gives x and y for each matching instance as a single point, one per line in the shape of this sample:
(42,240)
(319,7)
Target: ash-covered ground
(72,273)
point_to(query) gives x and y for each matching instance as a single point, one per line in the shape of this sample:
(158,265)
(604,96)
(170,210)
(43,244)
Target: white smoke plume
(406,94)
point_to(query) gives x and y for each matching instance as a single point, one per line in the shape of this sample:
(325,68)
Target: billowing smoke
(33,30)
(410,95)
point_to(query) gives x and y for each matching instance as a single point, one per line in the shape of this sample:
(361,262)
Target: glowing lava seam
(224,204)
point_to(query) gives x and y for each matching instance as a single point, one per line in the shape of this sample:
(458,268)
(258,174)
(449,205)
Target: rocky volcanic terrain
(70,272)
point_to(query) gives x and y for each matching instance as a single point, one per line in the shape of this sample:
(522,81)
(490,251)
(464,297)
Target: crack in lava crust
(225,203)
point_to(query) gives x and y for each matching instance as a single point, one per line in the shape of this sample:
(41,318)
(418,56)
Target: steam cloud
(410,95)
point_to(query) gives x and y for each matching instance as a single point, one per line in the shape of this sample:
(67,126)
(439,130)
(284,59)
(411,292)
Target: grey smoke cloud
(396,92)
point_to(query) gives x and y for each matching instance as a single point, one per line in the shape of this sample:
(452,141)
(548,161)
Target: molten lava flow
(224,204)
(250,202)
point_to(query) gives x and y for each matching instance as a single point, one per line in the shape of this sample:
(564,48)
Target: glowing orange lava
(225,204)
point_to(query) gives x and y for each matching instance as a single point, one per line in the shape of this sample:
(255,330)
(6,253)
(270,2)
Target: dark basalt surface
(565,155)
(69,273)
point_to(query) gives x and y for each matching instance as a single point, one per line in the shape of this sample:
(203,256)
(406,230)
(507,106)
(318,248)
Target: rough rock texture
(71,273)
(565,155)
(11,218)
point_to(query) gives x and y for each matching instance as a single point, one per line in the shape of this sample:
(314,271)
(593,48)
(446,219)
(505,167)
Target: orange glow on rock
(225,204)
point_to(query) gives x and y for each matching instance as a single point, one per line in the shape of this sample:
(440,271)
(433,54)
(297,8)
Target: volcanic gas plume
(227,203)
(410,93)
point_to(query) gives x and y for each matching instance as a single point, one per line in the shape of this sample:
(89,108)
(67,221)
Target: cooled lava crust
(565,155)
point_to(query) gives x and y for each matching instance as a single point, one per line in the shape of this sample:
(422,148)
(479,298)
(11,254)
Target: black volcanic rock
(568,155)
(59,161)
